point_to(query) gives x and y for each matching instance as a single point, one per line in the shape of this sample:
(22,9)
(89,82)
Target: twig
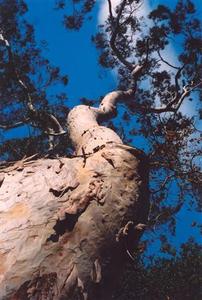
(17,124)
(163,184)
(33,112)
(166,62)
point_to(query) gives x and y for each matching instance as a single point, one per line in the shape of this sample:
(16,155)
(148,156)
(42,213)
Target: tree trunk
(65,224)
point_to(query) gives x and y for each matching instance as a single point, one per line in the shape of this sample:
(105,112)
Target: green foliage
(74,20)
(177,278)
(172,139)
(29,66)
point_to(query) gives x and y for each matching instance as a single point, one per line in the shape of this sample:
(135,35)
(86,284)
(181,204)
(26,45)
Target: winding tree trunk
(65,224)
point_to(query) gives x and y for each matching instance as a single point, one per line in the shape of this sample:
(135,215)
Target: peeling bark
(66,224)
(59,221)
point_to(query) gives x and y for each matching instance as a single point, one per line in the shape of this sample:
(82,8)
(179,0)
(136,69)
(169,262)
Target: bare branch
(108,104)
(110,10)
(17,124)
(52,133)
(166,62)
(186,91)
(175,104)
(163,184)
(60,130)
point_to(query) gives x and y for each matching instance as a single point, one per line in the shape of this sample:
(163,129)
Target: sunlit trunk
(62,220)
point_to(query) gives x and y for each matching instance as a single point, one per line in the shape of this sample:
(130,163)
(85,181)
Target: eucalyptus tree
(68,224)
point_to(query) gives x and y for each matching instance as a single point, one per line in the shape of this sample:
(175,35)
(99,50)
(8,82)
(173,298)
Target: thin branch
(22,84)
(60,130)
(172,211)
(21,123)
(186,91)
(108,104)
(52,133)
(163,184)
(175,104)
(135,69)
(115,25)
(177,76)
(131,13)
(15,125)
(33,112)
(110,10)
(166,62)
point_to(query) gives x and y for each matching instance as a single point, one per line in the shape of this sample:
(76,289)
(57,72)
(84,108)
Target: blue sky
(72,51)
(76,55)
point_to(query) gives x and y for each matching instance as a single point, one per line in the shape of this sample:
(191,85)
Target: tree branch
(175,104)
(166,62)
(17,124)
(135,69)
(108,104)
(177,76)
(15,73)
(186,91)
(115,25)
(109,101)
(110,10)
(162,186)
(34,114)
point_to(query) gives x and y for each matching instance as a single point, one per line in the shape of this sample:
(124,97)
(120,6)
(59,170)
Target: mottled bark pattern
(59,220)
(64,222)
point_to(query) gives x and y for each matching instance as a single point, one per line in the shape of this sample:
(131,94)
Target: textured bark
(65,224)
(59,220)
